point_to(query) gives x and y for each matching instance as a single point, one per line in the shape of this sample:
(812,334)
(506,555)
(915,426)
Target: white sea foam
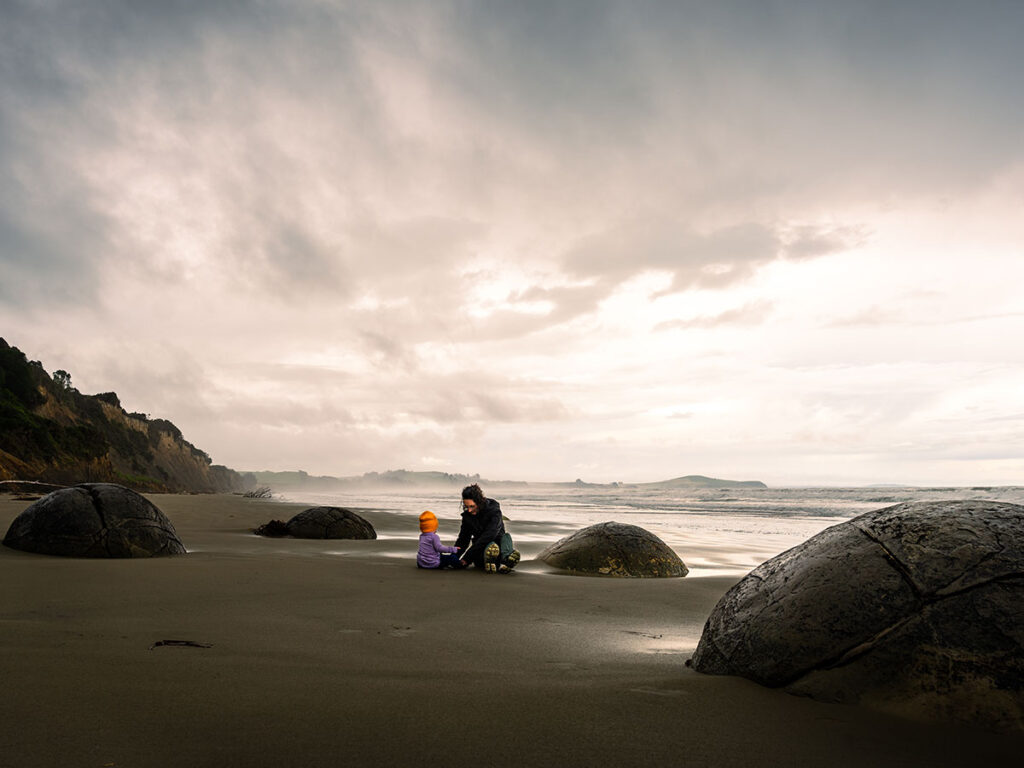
(715,531)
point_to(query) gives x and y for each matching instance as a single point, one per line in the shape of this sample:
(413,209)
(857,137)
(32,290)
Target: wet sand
(343,653)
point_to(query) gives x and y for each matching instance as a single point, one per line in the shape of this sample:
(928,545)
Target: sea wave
(715,531)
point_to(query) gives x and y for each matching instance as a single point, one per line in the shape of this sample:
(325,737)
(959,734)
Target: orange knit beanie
(428,522)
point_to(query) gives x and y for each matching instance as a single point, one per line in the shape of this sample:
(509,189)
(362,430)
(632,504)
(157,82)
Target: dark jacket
(482,528)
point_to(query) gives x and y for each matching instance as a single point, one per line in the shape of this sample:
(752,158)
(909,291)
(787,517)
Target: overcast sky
(774,240)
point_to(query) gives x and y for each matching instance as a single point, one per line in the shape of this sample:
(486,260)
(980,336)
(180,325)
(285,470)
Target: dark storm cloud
(388,351)
(605,260)
(286,261)
(694,259)
(40,246)
(727,106)
(814,88)
(716,260)
(44,215)
(808,242)
(554,70)
(708,104)
(74,76)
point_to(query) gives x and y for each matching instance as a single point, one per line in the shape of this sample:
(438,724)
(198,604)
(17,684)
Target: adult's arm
(489,532)
(464,536)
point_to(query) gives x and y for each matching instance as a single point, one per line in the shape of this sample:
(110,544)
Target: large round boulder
(614,549)
(914,609)
(330,523)
(94,520)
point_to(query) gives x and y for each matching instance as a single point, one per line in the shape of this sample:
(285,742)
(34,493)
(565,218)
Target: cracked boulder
(94,520)
(914,609)
(327,523)
(614,549)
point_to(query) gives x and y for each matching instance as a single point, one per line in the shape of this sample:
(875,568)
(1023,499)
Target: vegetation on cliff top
(50,432)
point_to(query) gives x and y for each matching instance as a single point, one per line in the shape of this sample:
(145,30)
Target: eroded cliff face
(52,433)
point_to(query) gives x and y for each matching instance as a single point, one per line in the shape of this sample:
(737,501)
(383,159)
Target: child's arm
(440,548)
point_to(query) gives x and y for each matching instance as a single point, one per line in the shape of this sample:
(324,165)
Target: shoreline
(328,652)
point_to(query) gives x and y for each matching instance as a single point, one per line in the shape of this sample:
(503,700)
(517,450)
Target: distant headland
(402,478)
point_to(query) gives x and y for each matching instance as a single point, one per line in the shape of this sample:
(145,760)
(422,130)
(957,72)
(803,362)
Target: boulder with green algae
(94,520)
(914,609)
(321,523)
(614,549)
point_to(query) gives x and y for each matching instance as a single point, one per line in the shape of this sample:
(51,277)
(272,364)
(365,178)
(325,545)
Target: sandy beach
(317,653)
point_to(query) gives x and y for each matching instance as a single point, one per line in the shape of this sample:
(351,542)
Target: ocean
(716,532)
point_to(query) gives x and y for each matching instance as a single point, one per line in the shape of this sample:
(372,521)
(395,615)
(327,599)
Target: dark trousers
(448,560)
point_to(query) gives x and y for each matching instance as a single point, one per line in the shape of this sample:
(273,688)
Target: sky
(769,240)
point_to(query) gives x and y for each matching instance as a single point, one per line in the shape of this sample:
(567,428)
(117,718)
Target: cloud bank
(521,239)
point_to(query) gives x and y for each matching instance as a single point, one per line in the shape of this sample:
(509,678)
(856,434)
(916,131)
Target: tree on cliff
(51,432)
(62,379)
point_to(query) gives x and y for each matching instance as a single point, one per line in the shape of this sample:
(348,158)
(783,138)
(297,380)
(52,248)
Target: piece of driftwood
(180,644)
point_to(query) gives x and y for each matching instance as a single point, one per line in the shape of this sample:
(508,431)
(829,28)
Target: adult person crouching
(482,539)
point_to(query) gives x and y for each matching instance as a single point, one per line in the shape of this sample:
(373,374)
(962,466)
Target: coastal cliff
(52,433)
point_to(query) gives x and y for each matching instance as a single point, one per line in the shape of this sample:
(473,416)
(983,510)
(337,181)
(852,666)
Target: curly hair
(475,493)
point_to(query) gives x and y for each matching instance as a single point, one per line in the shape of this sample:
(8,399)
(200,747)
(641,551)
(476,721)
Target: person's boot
(491,555)
(510,562)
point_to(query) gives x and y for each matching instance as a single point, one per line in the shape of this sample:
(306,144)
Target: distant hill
(699,481)
(52,433)
(690,481)
(401,478)
(393,478)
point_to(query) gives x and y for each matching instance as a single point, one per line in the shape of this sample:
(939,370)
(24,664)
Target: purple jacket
(429,555)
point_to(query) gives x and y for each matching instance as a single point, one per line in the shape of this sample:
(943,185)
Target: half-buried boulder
(94,520)
(914,609)
(321,523)
(614,549)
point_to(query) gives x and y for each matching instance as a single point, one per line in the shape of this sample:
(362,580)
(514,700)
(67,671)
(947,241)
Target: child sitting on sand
(432,553)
